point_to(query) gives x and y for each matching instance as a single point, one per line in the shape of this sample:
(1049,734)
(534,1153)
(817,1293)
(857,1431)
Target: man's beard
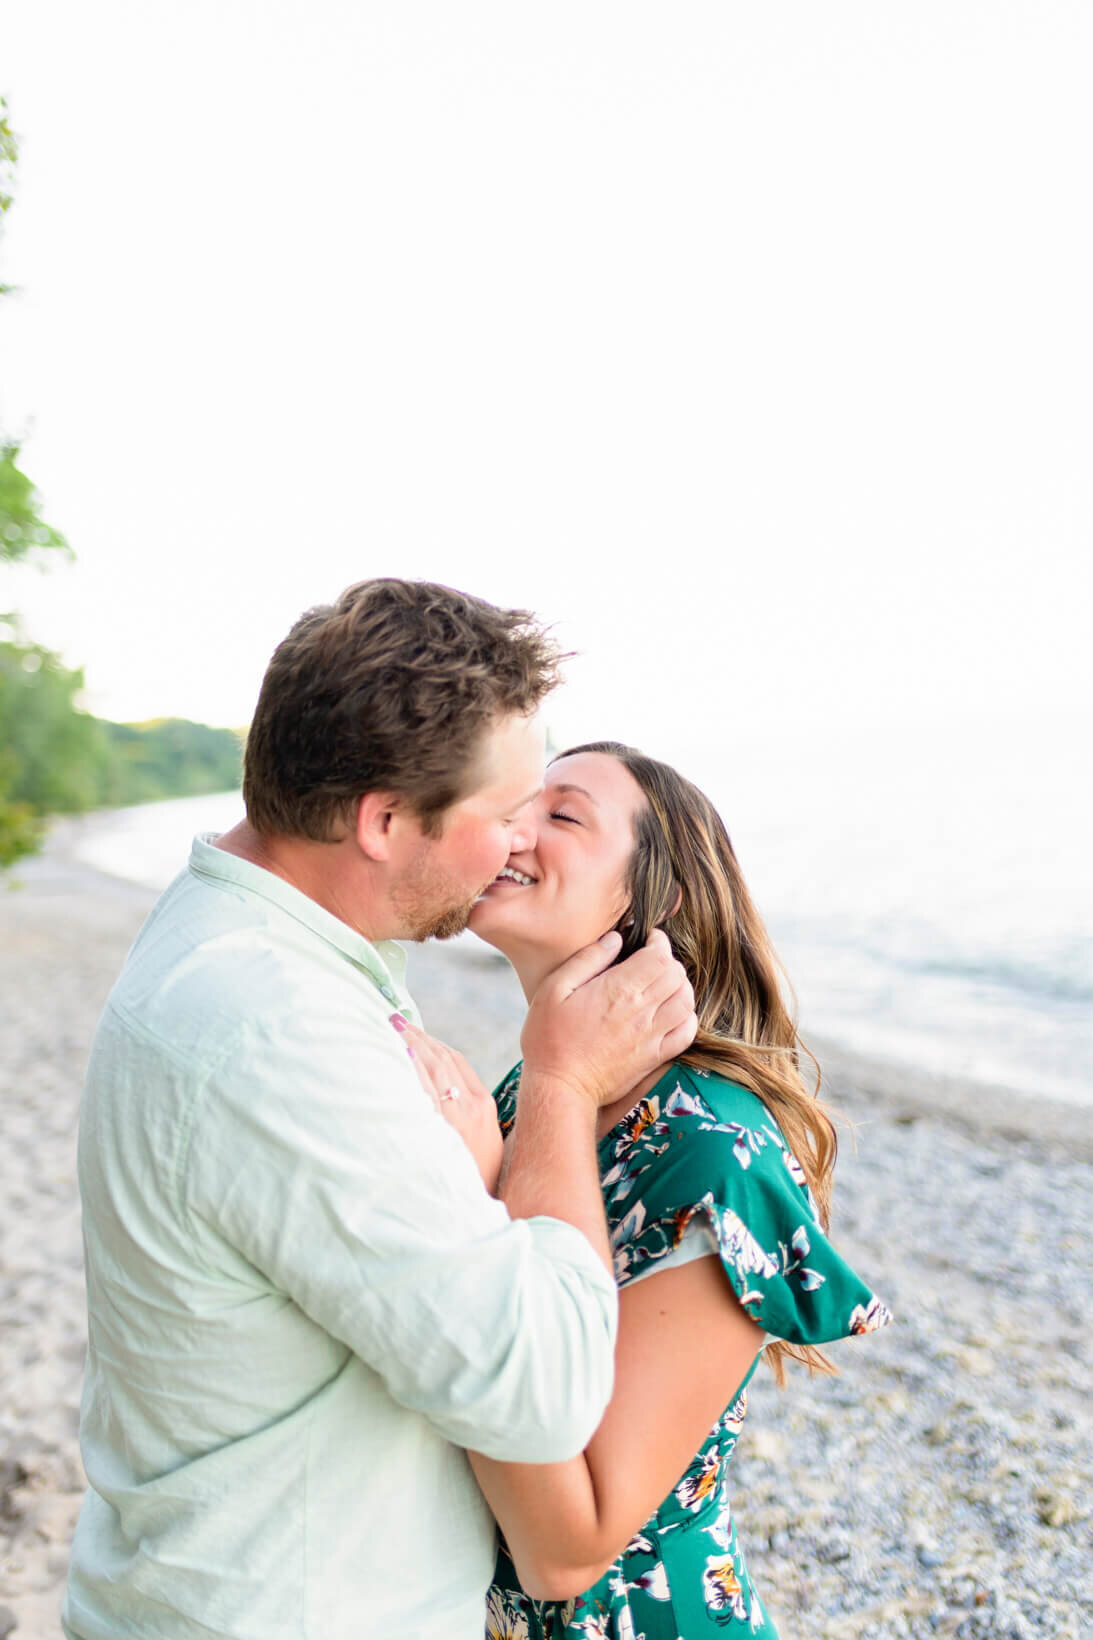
(424,902)
(447,925)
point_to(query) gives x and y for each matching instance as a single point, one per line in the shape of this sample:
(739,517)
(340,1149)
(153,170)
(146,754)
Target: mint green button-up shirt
(302,1302)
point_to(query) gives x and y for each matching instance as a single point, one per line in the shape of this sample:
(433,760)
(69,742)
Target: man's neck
(309,867)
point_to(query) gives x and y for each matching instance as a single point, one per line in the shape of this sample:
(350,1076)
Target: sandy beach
(941,1486)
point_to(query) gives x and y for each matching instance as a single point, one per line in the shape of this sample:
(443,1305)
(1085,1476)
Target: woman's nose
(525,832)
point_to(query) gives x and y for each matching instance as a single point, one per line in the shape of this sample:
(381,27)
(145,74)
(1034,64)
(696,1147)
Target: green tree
(59,759)
(23,531)
(36,693)
(172,757)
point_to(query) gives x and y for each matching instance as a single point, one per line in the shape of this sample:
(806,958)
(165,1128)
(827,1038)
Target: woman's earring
(631,937)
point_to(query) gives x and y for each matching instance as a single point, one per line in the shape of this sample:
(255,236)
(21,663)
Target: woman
(718,1166)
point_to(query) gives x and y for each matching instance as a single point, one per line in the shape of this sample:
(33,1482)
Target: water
(150,843)
(929,892)
(931,896)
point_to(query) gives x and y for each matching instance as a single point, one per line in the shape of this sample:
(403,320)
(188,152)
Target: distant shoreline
(906,1094)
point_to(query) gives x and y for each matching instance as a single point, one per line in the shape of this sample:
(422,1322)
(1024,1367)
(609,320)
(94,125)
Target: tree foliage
(172,757)
(57,759)
(53,751)
(23,530)
(24,671)
(9,153)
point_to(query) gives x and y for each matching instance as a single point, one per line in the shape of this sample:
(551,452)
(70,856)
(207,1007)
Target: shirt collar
(384,962)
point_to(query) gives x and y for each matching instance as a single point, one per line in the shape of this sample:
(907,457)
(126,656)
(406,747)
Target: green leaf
(23,531)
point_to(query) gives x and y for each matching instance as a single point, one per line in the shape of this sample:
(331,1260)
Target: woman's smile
(509,874)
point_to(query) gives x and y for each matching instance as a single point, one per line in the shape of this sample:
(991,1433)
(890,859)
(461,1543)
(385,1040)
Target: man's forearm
(550,1165)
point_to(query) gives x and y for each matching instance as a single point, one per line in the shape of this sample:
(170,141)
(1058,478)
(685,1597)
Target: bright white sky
(753,345)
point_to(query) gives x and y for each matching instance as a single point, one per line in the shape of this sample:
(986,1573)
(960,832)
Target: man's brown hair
(389,689)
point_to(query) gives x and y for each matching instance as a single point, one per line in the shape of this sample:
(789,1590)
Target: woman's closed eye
(556,814)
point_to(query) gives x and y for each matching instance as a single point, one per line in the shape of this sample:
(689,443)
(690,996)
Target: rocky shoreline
(941,1486)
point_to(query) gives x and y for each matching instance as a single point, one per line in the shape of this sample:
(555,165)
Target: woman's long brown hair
(684,877)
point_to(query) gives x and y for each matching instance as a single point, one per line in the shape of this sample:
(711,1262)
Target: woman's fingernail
(399,1022)
(409,1050)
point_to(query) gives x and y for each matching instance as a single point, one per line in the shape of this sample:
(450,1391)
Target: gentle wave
(1050,981)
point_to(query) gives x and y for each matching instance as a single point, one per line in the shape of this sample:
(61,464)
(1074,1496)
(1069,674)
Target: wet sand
(942,1485)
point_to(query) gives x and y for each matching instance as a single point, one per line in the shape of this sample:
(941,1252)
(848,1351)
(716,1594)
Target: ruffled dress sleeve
(701,1155)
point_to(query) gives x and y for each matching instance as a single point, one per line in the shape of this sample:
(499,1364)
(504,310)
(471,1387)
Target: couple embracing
(348,1312)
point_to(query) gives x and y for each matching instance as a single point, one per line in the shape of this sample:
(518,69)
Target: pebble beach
(941,1485)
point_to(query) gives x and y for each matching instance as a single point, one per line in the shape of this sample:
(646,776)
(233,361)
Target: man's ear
(378,814)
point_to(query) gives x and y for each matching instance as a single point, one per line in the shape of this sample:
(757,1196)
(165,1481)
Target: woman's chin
(482,923)
(491,923)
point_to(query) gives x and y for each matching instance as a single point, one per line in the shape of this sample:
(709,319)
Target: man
(303,1303)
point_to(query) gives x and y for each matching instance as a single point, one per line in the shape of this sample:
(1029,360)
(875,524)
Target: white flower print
(792,1165)
(720,1529)
(593,1627)
(681,1103)
(504,1619)
(629,1228)
(747,1142)
(739,1245)
(700,1480)
(654,1582)
(793,1258)
(865,1318)
(723,1590)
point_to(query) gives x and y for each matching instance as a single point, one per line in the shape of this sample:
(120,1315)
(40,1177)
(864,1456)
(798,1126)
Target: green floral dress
(699,1165)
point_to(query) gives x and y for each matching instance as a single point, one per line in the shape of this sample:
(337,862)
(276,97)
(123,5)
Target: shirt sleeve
(336,1179)
(692,1163)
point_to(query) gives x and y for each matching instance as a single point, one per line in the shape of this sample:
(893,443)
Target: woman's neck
(531,970)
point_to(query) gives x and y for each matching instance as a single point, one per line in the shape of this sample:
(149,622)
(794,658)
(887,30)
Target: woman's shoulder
(697,1119)
(691,1124)
(703,1155)
(708,1097)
